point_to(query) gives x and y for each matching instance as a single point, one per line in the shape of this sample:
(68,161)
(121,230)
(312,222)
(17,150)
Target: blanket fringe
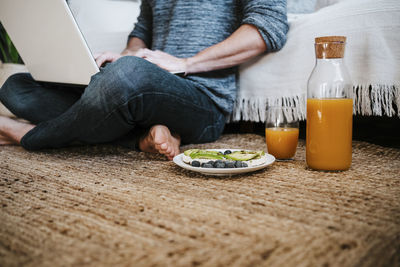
(377,100)
(253,108)
(369,100)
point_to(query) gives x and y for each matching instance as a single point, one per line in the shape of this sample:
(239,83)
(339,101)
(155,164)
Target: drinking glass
(281,131)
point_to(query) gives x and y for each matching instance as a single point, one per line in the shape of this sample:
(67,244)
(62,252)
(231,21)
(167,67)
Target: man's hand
(106,57)
(163,60)
(101,58)
(159,58)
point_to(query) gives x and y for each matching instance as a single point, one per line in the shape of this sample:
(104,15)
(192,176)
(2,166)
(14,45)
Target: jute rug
(108,206)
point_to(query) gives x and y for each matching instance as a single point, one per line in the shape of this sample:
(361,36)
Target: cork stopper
(330,46)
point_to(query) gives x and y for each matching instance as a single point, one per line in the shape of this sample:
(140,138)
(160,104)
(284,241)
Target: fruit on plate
(244,155)
(203,154)
(223,158)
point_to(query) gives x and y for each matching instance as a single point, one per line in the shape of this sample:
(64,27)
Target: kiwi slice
(244,155)
(201,155)
(190,151)
(235,156)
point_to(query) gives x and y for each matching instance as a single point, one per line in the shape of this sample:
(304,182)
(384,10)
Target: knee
(137,75)
(131,63)
(134,69)
(12,85)
(123,78)
(127,68)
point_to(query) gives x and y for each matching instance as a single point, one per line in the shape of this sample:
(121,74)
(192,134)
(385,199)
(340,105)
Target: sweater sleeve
(270,18)
(143,26)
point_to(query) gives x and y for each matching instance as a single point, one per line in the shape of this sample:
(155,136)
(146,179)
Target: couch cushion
(300,6)
(372,57)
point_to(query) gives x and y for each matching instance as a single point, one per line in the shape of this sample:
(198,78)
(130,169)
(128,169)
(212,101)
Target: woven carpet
(108,206)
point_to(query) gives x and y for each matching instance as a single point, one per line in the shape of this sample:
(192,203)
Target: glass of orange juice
(281,132)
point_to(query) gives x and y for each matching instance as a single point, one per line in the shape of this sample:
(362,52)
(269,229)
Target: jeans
(120,104)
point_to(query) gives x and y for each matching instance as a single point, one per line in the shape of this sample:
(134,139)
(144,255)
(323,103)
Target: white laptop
(49,41)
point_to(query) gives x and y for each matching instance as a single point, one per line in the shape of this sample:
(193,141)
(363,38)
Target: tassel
(374,99)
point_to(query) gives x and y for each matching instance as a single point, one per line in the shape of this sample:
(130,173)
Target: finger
(102,54)
(148,52)
(100,60)
(159,53)
(113,58)
(103,58)
(151,59)
(106,57)
(140,53)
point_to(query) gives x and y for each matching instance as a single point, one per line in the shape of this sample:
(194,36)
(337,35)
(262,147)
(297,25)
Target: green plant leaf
(8,43)
(14,55)
(9,53)
(4,54)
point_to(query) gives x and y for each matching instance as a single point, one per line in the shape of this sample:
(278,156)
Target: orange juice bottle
(282,141)
(329,108)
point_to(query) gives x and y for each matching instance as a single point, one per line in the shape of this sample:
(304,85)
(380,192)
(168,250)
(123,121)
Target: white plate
(223,171)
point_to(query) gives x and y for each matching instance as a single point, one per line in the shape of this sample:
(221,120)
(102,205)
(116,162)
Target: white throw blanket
(372,57)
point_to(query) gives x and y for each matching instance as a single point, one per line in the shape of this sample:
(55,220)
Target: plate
(223,171)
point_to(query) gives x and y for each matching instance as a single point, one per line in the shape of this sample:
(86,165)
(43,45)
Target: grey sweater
(185,27)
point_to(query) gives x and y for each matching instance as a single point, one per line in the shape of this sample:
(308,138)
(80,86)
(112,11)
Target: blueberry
(227,152)
(218,161)
(230,164)
(207,165)
(220,164)
(209,162)
(244,164)
(196,163)
(238,164)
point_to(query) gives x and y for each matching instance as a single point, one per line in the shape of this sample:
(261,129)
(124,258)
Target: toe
(159,148)
(169,150)
(164,146)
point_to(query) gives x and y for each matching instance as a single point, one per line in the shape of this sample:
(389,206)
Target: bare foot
(12,131)
(160,140)
(4,141)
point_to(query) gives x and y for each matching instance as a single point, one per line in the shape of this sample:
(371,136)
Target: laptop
(49,41)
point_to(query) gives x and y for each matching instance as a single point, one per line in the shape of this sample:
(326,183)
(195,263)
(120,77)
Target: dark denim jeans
(120,103)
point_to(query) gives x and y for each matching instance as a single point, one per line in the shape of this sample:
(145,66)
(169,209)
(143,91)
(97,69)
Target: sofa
(280,78)
(372,57)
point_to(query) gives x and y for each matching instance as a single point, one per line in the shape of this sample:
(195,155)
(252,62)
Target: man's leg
(32,101)
(131,92)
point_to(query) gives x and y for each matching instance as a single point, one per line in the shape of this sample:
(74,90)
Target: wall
(105,23)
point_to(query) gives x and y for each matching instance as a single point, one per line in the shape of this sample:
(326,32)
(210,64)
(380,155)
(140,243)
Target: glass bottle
(329,108)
